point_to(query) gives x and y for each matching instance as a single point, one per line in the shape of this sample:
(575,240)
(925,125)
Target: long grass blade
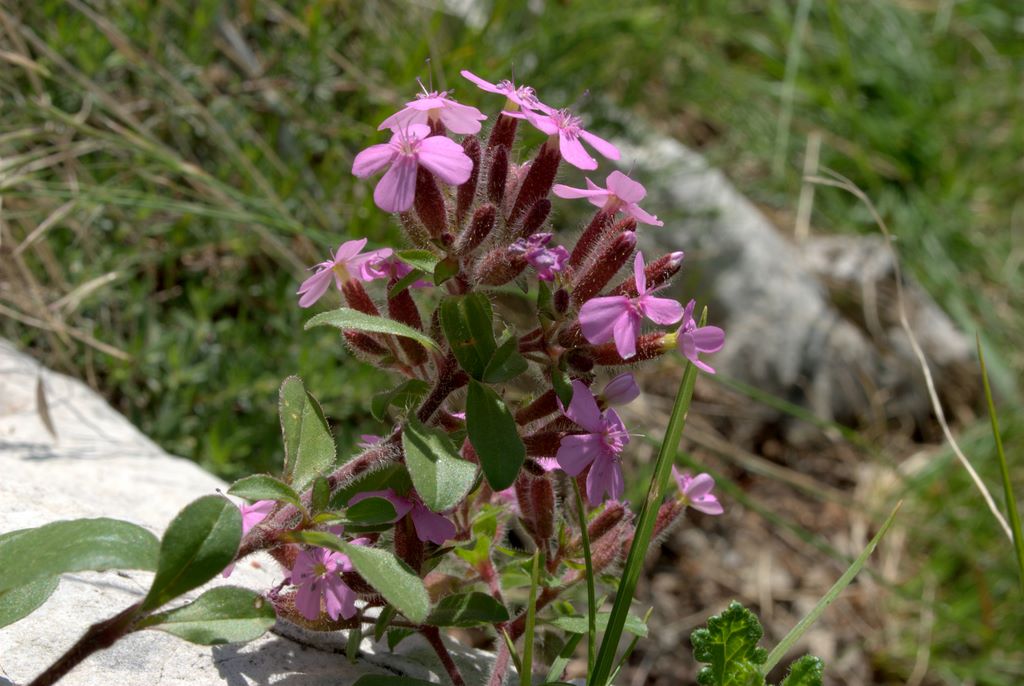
(526,672)
(591,592)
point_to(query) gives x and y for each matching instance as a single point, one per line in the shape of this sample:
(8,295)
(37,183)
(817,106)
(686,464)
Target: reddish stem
(433,636)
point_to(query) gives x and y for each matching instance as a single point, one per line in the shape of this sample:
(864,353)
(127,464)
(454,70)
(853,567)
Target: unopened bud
(571,336)
(479,228)
(560,299)
(414,229)
(579,360)
(402,308)
(408,546)
(429,203)
(497,175)
(538,181)
(607,550)
(357,297)
(658,273)
(363,343)
(542,444)
(541,407)
(467,191)
(499,267)
(648,346)
(535,218)
(504,132)
(542,503)
(590,237)
(601,270)
(613,513)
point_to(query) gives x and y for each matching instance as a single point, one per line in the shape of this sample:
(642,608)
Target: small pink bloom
(618,317)
(251,516)
(408,150)
(604,438)
(547,261)
(694,340)
(368,440)
(621,390)
(345,264)
(569,129)
(622,194)
(429,525)
(434,106)
(520,96)
(317,574)
(696,492)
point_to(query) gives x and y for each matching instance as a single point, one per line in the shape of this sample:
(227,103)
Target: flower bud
(601,270)
(613,513)
(408,547)
(414,229)
(499,266)
(363,343)
(571,336)
(467,191)
(402,308)
(538,181)
(504,132)
(542,444)
(357,297)
(535,218)
(429,203)
(579,360)
(590,237)
(560,299)
(648,346)
(479,228)
(497,175)
(658,273)
(541,407)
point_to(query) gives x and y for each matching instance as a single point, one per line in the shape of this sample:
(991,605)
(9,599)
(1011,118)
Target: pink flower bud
(479,228)
(544,405)
(658,273)
(538,181)
(429,203)
(499,266)
(467,191)
(648,346)
(602,269)
(535,218)
(497,175)
(590,237)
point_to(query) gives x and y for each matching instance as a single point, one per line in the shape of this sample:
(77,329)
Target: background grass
(168,170)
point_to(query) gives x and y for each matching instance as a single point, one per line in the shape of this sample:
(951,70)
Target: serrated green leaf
(729,648)
(441,477)
(264,487)
(402,396)
(17,603)
(226,614)
(308,444)
(807,671)
(199,543)
(76,545)
(348,319)
(493,434)
(577,624)
(424,260)
(506,363)
(467,324)
(468,609)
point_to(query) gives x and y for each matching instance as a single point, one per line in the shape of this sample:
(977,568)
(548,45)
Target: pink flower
(621,390)
(618,317)
(696,492)
(547,261)
(569,129)
(599,447)
(520,97)
(694,340)
(434,106)
(429,526)
(251,516)
(409,149)
(622,194)
(317,574)
(347,263)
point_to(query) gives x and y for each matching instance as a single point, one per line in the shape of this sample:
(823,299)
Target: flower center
(567,122)
(341,269)
(408,144)
(320,569)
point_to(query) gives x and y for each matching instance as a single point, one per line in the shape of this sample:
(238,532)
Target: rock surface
(98,464)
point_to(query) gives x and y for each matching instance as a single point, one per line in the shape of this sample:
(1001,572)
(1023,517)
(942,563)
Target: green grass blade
(591,593)
(605,661)
(804,624)
(526,672)
(1004,470)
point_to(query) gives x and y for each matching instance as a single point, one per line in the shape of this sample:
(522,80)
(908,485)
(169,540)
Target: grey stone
(98,464)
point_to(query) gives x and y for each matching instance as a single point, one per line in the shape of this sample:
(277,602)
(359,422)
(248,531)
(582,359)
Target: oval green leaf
(492,431)
(468,609)
(467,324)
(28,555)
(226,614)
(441,477)
(308,443)
(506,363)
(403,396)
(348,319)
(200,542)
(264,487)
(16,603)
(371,512)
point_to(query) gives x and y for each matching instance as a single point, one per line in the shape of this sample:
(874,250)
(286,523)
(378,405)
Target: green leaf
(382,680)
(441,477)
(393,475)
(729,648)
(321,495)
(19,602)
(200,542)
(562,385)
(402,396)
(264,487)
(807,671)
(308,444)
(506,363)
(348,319)
(493,434)
(396,635)
(545,301)
(226,614)
(578,624)
(370,512)
(355,637)
(383,622)
(468,609)
(404,282)
(424,260)
(76,545)
(466,322)
(445,269)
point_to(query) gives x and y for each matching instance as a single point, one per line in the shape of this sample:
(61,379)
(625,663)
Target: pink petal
(431,526)
(621,390)
(462,119)
(256,513)
(708,505)
(660,310)
(313,288)
(575,452)
(613,425)
(403,118)
(480,83)
(598,317)
(445,158)
(601,145)
(708,339)
(373,159)
(583,408)
(427,104)
(339,598)
(540,121)
(563,191)
(307,601)
(699,486)
(605,478)
(680,477)
(397,188)
(574,152)
(637,213)
(625,188)
(639,276)
(703,366)
(625,331)
(349,249)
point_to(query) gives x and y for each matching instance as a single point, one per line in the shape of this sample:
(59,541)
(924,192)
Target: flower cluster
(486,299)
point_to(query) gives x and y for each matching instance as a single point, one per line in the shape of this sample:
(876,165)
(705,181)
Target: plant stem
(500,665)
(99,636)
(433,636)
(591,593)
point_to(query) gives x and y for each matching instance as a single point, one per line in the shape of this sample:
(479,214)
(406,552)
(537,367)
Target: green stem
(591,594)
(526,673)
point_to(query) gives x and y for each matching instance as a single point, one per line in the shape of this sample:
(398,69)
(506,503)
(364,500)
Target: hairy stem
(433,636)
(99,636)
